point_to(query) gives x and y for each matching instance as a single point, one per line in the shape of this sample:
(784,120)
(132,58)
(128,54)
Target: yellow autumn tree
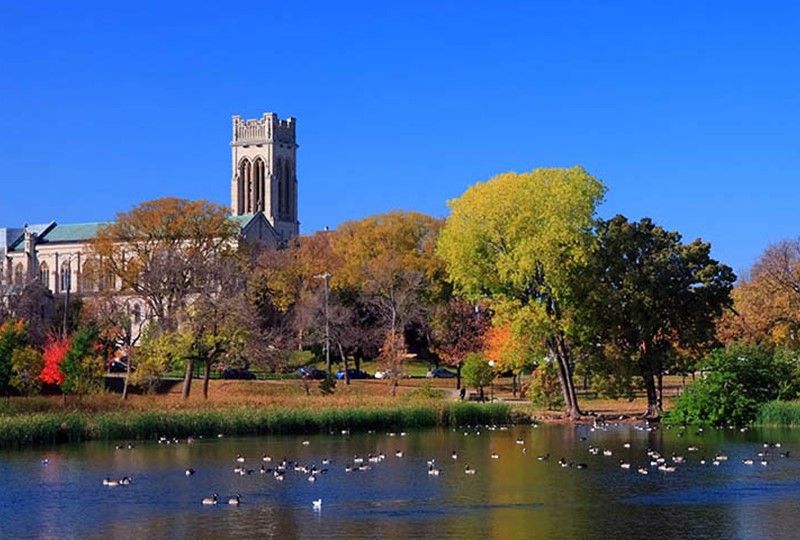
(512,242)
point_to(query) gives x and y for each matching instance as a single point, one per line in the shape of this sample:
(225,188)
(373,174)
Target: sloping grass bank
(52,427)
(779,414)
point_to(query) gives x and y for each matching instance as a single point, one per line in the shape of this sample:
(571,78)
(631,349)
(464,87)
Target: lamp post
(67,285)
(325,277)
(491,382)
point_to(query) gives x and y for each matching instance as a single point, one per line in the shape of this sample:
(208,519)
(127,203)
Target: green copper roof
(81,232)
(73,232)
(242,220)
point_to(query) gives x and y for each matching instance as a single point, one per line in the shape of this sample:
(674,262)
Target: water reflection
(514,496)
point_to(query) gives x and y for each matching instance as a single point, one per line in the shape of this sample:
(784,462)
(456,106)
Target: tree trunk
(458,376)
(660,402)
(480,393)
(514,384)
(560,351)
(394,384)
(650,387)
(344,363)
(127,378)
(206,377)
(187,379)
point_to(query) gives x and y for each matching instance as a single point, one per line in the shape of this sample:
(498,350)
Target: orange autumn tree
(507,352)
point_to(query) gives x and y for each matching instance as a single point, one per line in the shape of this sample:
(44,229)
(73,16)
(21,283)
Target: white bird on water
(317,505)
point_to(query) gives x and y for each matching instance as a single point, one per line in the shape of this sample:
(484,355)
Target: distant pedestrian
(462,392)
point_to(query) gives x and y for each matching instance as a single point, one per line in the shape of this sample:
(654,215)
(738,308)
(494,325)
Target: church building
(263,204)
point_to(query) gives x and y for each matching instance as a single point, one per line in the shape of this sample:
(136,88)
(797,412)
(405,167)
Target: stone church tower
(264,162)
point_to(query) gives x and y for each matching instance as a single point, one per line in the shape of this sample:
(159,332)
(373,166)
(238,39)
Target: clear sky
(688,111)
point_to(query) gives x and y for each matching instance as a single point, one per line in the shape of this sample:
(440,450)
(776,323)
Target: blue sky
(688,111)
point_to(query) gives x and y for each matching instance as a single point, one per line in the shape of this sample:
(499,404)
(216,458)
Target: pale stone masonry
(263,203)
(264,172)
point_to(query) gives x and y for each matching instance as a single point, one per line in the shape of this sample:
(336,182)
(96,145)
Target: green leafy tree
(737,380)
(26,365)
(83,365)
(545,389)
(647,298)
(477,372)
(13,336)
(158,353)
(513,241)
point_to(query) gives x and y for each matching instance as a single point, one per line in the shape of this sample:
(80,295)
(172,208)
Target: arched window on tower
(279,179)
(258,172)
(245,186)
(66,276)
(286,189)
(44,274)
(18,274)
(137,314)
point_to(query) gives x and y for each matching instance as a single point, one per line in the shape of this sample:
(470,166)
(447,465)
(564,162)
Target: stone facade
(263,199)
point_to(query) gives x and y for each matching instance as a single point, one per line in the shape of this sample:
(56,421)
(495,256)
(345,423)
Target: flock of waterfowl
(651,461)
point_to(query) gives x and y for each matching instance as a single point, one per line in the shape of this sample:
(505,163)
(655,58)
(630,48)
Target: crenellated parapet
(267,129)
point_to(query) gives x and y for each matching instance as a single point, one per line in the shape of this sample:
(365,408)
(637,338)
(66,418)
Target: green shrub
(327,386)
(737,382)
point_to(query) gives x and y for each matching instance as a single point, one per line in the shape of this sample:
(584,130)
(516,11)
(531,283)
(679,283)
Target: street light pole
(325,277)
(491,383)
(66,296)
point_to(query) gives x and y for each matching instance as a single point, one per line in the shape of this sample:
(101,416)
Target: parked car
(238,373)
(118,366)
(353,374)
(388,373)
(310,372)
(440,373)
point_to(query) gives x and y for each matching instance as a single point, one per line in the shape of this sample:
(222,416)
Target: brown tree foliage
(157,251)
(458,328)
(166,252)
(767,304)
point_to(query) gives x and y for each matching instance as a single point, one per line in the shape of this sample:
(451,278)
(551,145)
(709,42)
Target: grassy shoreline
(67,427)
(779,414)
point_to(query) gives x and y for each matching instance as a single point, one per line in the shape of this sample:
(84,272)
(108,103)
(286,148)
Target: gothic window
(18,273)
(258,173)
(137,314)
(44,274)
(66,276)
(286,189)
(245,186)
(279,174)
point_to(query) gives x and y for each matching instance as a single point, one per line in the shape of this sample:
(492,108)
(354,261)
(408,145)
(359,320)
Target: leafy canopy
(512,240)
(476,371)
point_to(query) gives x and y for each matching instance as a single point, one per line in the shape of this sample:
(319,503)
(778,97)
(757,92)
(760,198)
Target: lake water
(512,496)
